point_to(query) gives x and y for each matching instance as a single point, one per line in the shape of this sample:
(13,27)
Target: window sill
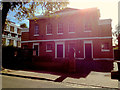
(48,50)
(59,33)
(105,50)
(71,32)
(36,35)
(87,31)
(49,34)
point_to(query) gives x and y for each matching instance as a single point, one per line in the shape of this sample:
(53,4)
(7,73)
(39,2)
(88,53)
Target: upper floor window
(71,28)
(18,31)
(105,47)
(60,28)
(49,29)
(12,28)
(36,30)
(87,27)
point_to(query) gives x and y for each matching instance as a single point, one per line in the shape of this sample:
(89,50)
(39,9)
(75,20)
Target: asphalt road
(17,82)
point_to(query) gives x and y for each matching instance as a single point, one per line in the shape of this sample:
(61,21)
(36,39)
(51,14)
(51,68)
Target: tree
(28,9)
(116,34)
(23,25)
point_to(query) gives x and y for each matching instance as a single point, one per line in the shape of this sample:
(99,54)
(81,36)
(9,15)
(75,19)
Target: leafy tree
(28,9)
(23,25)
(117,35)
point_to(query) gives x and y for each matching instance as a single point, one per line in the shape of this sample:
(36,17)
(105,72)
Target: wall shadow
(83,69)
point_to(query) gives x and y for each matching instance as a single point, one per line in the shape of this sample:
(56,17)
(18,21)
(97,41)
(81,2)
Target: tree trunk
(6,7)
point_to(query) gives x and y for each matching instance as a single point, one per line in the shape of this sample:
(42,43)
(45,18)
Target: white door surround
(38,47)
(57,43)
(88,42)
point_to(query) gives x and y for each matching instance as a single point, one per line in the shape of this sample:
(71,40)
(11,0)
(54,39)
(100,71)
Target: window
(12,28)
(8,41)
(71,28)
(60,28)
(87,27)
(105,47)
(49,48)
(36,31)
(18,43)
(18,31)
(49,29)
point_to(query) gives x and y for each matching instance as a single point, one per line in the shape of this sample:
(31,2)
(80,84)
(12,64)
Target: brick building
(80,29)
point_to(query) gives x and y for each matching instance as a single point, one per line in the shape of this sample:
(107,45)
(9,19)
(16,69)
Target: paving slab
(33,74)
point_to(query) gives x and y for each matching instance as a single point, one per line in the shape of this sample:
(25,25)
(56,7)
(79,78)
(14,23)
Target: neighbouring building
(11,35)
(80,29)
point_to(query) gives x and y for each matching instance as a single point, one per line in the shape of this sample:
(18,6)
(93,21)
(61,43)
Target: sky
(108,9)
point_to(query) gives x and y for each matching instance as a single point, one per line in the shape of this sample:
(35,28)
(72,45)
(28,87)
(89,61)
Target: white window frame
(38,47)
(57,43)
(88,42)
(104,50)
(48,50)
(85,29)
(35,30)
(47,29)
(57,29)
(69,28)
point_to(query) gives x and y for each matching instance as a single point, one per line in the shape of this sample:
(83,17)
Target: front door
(36,48)
(88,51)
(60,51)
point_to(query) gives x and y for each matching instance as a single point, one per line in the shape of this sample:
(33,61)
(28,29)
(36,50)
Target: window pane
(36,29)
(105,46)
(87,27)
(60,28)
(71,27)
(49,29)
(49,46)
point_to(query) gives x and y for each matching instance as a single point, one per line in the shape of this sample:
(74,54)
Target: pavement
(92,80)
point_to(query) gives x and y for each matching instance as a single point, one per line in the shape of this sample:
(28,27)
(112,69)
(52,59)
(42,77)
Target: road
(18,82)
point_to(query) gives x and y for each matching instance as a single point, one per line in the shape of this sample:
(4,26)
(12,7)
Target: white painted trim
(87,31)
(71,32)
(48,50)
(38,47)
(36,34)
(24,31)
(80,58)
(105,50)
(66,39)
(46,31)
(59,33)
(49,34)
(88,42)
(57,29)
(103,58)
(56,43)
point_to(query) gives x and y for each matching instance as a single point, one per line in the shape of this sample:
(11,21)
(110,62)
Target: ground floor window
(105,47)
(48,47)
